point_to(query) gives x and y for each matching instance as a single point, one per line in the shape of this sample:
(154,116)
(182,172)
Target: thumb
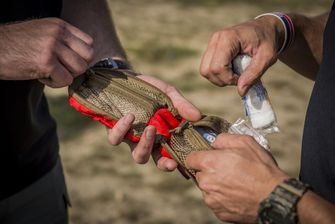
(185,108)
(247,78)
(258,65)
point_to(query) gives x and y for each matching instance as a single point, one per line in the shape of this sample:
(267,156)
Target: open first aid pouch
(107,94)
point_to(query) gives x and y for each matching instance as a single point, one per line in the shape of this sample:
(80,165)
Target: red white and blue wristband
(287,23)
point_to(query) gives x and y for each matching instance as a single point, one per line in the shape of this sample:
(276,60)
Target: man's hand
(49,49)
(235,177)
(141,151)
(259,38)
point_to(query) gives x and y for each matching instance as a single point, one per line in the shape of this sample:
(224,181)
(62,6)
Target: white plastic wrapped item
(258,108)
(243,128)
(240,127)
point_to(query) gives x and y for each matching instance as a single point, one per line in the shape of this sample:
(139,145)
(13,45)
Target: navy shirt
(29,144)
(318,147)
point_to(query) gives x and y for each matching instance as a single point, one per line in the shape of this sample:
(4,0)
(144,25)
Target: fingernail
(128,119)
(150,133)
(170,166)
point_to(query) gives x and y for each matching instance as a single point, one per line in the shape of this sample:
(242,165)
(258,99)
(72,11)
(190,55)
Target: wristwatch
(112,63)
(281,205)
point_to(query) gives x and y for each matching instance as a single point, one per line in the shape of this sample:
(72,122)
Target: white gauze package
(258,108)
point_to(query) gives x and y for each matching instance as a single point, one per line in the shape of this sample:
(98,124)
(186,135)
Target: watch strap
(282,201)
(112,63)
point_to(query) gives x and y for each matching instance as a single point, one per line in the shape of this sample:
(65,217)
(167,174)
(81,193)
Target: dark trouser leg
(43,202)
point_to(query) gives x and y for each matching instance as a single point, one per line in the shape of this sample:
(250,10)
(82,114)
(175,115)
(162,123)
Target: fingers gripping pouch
(187,138)
(106,95)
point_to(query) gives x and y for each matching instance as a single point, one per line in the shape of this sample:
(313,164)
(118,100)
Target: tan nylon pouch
(114,93)
(187,140)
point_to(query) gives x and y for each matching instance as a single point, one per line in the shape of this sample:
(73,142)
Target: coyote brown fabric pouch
(107,94)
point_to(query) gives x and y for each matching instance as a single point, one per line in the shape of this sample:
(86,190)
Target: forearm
(314,209)
(305,54)
(94,17)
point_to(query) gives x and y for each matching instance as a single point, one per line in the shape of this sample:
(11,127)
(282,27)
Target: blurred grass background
(166,39)
(264,4)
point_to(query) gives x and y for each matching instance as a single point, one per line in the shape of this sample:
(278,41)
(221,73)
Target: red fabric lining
(98,117)
(163,120)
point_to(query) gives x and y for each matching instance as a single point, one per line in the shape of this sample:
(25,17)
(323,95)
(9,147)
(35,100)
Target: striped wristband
(288,28)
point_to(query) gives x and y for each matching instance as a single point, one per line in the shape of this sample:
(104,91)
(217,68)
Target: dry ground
(166,39)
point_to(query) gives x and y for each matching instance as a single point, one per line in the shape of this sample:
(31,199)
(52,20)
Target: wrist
(283,29)
(281,205)
(276,28)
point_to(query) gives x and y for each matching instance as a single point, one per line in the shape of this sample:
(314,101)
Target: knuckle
(50,42)
(52,84)
(113,140)
(220,138)
(226,79)
(56,20)
(199,177)
(248,139)
(228,33)
(47,55)
(216,68)
(90,54)
(217,82)
(47,66)
(202,185)
(140,156)
(215,35)
(220,83)
(80,69)
(60,23)
(67,80)
(171,90)
(229,79)
(210,202)
(58,28)
(204,71)
(89,40)
(205,162)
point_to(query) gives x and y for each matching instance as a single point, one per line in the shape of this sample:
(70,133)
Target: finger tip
(166,164)
(128,119)
(171,166)
(151,128)
(193,114)
(130,115)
